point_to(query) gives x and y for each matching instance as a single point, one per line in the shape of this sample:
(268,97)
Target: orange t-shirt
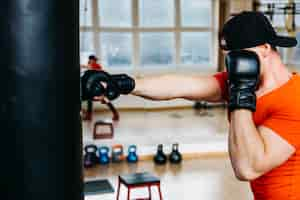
(278,110)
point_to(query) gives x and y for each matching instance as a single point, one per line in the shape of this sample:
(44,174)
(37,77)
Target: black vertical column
(40,132)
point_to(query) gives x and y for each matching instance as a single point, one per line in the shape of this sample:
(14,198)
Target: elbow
(246,174)
(245,177)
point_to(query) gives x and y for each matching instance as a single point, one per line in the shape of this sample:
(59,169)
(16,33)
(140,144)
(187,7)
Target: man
(93,63)
(263,99)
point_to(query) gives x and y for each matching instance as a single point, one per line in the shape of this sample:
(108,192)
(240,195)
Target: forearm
(246,146)
(168,87)
(155,87)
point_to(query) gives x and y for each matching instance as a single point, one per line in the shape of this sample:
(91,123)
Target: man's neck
(275,74)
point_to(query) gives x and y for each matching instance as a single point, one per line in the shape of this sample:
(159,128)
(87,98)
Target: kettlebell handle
(91,146)
(117,147)
(132,148)
(160,147)
(175,147)
(103,150)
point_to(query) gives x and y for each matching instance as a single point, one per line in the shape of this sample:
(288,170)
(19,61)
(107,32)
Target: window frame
(136,67)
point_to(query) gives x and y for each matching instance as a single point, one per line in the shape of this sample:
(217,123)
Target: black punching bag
(40,150)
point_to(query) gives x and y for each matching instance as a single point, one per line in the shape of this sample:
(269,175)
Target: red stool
(139,180)
(105,130)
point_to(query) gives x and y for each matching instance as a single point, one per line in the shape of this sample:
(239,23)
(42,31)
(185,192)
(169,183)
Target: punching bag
(40,148)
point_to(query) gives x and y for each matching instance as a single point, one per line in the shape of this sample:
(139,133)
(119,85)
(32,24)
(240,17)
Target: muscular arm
(254,151)
(167,87)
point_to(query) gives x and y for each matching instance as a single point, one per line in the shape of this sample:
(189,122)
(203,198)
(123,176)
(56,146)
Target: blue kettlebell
(103,155)
(132,156)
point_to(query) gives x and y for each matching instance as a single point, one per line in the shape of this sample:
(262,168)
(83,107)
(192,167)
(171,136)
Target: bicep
(277,149)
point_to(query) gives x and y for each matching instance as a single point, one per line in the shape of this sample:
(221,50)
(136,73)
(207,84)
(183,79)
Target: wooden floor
(198,179)
(195,131)
(208,178)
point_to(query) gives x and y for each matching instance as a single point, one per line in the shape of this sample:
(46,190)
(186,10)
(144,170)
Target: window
(159,13)
(291,56)
(195,48)
(116,49)
(196,13)
(85,12)
(144,34)
(115,13)
(157,49)
(86,38)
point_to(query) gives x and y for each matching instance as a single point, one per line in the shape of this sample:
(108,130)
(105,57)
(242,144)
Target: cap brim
(283,41)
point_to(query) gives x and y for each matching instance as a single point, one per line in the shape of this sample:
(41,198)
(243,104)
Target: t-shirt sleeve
(287,129)
(222,80)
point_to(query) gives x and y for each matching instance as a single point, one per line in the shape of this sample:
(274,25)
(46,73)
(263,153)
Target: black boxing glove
(243,77)
(125,83)
(91,85)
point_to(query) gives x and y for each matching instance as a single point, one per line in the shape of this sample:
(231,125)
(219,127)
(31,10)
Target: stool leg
(149,191)
(118,192)
(159,191)
(128,193)
(89,110)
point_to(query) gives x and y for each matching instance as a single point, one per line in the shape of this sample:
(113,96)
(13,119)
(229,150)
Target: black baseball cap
(93,57)
(249,29)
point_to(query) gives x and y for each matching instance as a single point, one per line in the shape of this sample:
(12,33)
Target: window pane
(157,48)
(297,20)
(86,46)
(116,49)
(273,1)
(85,13)
(156,13)
(196,13)
(277,19)
(195,48)
(282,50)
(294,53)
(115,13)
(289,55)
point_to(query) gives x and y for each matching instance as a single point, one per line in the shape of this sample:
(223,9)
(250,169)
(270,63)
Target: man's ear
(265,49)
